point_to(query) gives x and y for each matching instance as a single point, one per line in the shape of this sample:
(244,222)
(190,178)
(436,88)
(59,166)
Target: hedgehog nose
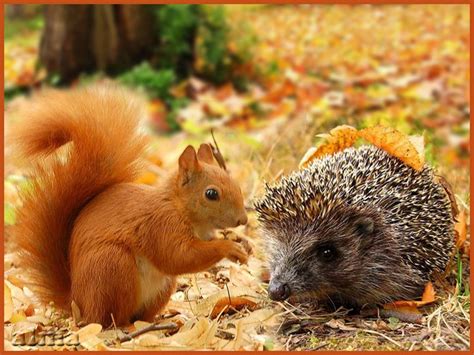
(278,291)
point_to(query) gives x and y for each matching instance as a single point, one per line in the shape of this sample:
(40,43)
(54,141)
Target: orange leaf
(408,149)
(30,310)
(461,229)
(428,297)
(225,305)
(338,139)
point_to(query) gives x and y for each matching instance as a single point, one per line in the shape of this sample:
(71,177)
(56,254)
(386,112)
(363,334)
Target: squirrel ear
(188,164)
(205,154)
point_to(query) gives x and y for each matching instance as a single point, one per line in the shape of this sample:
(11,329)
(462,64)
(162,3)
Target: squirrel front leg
(195,255)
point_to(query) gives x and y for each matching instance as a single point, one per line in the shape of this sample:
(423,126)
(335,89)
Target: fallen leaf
(429,296)
(339,324)
(7,303)
(76,313)
(30,310)
(338,139)
(396,144)
(18,317)
(461,229)
(225,305)
(88,331)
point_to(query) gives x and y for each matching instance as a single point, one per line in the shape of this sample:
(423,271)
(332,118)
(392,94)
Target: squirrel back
(96,129)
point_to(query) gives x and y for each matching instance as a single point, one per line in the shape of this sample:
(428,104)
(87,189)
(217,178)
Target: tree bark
(82,38)
(65,47)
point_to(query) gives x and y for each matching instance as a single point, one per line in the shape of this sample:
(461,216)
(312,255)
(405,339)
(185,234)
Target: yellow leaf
(89,331)
(8,303)
(396,144)
(18,317)
(338,139)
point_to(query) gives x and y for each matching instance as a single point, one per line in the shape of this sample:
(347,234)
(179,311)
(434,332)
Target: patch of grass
(15,29)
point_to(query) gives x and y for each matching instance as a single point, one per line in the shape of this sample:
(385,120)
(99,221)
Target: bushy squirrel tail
(79,143)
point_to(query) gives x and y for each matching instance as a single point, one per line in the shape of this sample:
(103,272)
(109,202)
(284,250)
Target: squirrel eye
(212,194)
(327,253)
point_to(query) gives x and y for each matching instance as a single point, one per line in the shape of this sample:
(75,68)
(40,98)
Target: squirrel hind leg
(105,286)
(150,311)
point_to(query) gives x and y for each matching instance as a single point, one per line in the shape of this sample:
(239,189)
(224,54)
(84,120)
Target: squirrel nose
(278,291)
(242,220)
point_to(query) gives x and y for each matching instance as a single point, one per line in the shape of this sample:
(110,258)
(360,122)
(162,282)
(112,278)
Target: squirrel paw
(237,253)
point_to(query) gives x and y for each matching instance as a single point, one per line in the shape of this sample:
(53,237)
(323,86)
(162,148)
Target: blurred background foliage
(249,66)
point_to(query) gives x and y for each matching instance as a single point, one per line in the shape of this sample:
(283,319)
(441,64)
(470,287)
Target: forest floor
(320,66)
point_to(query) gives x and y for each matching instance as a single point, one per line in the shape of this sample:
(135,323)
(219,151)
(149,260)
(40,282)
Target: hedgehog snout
(278,291)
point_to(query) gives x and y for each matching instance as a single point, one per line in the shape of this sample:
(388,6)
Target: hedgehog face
(344,256)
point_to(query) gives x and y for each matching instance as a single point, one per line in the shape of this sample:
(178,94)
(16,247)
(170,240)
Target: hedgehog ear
(365,225)
(188,164)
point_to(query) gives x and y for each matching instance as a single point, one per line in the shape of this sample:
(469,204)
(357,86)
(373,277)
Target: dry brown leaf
(246,329)
(90,330)
(239,276)
(339,324)
(30,310)
(224,305)
(197,334)
(338,139)
(461,229)
(24,327)
(93,342)
(408,149)
(205,306)
(7,303)
(76,313)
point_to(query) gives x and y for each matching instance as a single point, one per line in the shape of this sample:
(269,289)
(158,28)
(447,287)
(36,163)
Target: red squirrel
(89,234)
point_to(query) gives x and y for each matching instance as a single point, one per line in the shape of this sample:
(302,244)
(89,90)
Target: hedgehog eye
(212,194)
(327,253)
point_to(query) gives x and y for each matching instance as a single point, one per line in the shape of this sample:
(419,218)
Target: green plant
(177,30)
(174,106)
(156,83)
(219,60)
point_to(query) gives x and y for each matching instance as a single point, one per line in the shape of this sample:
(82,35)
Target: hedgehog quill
(356,228)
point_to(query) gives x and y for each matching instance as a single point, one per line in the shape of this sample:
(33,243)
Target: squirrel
(88,234)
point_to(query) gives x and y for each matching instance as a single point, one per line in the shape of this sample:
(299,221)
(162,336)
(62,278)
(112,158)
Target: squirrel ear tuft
(188,164)
(205,154)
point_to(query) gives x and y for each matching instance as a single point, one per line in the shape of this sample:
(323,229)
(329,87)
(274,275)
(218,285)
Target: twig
(115,325)
(319,346)
(455,333)
(228,294)
(383,335)
(147,329)
(217,153)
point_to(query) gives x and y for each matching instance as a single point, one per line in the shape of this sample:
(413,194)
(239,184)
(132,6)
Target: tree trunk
(65,47)
(82,38)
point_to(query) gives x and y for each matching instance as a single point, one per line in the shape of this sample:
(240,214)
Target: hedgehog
(356,228)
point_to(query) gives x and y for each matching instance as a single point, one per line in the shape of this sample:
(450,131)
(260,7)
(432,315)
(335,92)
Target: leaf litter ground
(315,67)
